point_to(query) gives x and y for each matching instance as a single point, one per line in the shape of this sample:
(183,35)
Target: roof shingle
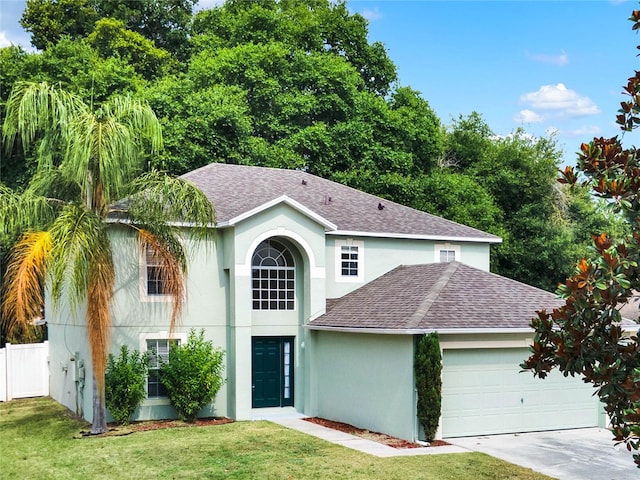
(438,296)
(235,190)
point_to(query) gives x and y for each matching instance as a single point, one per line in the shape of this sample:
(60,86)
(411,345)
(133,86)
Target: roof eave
(412,236)
(418,331)
(276,201)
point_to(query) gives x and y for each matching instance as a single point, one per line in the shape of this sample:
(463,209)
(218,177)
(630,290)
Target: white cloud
(528,116)
(4,41)
(560,100)
(586,131)
(560,60)
(371,14)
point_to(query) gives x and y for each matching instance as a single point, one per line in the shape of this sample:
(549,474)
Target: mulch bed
(116,430)
(374,436)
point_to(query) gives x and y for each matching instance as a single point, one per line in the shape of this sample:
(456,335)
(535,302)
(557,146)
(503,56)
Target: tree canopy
(298,84)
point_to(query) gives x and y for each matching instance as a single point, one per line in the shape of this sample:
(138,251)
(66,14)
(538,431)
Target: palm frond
(50,182)
(38,107)
(24,212)
(80,244)
(104,149)
(139,117)
(101,282)
(81,267)
(160,199)
(23,283)
(168,252)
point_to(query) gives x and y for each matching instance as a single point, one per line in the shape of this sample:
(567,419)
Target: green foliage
(166,23)
(125,383)
(91,154)
(427,366)
(50,20)
(193,375)
(297,84)
(461,198)
(584,336)
(303,25)
(111,38)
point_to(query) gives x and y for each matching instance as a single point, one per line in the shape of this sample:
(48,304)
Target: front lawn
(37,441)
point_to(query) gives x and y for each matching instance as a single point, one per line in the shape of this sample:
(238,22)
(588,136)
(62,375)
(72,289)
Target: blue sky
(547,66)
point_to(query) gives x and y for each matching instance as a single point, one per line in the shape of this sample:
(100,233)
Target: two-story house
(317,293)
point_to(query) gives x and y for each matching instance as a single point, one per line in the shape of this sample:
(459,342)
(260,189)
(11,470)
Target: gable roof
(237,191)
(438,296)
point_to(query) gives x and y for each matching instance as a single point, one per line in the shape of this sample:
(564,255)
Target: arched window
(273,277)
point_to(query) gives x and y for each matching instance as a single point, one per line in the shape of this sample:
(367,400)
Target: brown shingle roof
(438,296)
(235,190)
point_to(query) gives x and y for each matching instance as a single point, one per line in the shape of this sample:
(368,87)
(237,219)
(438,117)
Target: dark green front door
(272,372)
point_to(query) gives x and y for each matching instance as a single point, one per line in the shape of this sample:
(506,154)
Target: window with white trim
(273,277)
(154,274)
(158,349)
(447,253)
(349,260)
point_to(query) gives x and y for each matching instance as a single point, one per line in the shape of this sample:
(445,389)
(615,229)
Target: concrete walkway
(578,454)
(360,444)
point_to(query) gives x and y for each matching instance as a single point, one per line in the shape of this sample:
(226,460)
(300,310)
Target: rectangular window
(446,252)
(447,255)
(155,273)
(273,288)
(158,349)
(349,260)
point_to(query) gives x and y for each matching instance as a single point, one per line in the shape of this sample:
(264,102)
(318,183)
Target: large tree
(166,23)
(87,159)
(585,337)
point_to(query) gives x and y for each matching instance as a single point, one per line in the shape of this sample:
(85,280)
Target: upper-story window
(349,260)
(155,273)
(447,253)
(273,277)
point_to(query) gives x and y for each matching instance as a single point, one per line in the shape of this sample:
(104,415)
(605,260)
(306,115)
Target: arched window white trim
(273,277)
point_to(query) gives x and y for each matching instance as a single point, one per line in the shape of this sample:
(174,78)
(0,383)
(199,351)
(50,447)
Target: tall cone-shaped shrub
(427,366)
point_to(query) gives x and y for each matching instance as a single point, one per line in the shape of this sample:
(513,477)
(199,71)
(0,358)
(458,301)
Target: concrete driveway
(581,454)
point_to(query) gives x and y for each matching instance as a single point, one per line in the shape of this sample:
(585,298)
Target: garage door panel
(484,392)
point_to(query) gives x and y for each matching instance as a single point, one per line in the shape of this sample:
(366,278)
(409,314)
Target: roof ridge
(422,310)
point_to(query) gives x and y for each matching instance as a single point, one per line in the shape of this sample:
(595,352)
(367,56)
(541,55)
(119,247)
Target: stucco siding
(366,380)
(305,238)
(380,255)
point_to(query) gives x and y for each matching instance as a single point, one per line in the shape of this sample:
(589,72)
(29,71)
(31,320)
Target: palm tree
(87,159)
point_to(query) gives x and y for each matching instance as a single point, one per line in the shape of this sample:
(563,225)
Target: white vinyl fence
(24,371)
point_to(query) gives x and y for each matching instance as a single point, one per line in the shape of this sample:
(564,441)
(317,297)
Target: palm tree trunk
(99,410)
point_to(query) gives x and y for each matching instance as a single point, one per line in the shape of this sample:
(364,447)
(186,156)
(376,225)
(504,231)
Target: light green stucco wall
(219,299)
(205,307)
(305,238)
(366,380)
(381,255)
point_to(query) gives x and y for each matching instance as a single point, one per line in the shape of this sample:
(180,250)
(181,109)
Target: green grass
(37,441)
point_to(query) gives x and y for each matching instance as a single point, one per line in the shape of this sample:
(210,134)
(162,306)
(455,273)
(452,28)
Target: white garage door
(483,392)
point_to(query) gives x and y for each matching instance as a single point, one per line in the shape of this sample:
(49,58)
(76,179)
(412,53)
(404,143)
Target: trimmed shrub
(193,375)
(125,383)
(427,366)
